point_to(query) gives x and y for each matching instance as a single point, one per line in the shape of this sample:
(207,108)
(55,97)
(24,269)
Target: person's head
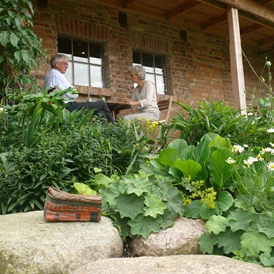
(60,62)
(137,73)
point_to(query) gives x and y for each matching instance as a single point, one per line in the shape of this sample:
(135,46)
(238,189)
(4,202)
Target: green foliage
(244,235)
(20,48)
(139,203)
(226,121)
(44,145)
(200,173)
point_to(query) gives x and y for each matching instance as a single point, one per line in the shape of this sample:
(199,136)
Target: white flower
(230,160)
(237,148)
(271,165)
(271,144)
(259,157)
(1,109)
(271,130)
(267,149)
(245,145)
(249,114)
(250,161)
(268,63)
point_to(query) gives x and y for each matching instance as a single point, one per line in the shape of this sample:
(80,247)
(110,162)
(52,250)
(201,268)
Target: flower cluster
(200,191)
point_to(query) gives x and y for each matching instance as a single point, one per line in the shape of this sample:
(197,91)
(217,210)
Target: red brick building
(186,59)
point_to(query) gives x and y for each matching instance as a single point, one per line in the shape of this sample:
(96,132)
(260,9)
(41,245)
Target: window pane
(81,74)
(64,45)
(80,51)
(68,74)
(160,85)
(137,58)
(96,54)
(159,65)
(150,77)
(148,62)
(96,76)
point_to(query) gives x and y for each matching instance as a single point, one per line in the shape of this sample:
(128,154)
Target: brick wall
(198,68)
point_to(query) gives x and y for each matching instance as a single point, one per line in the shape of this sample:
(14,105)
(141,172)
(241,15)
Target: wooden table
(115,108)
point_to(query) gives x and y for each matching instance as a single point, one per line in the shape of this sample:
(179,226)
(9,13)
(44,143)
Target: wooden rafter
(184,8)
(264,2)
(251,7)
(253,28)
(266,41)
(214,22)
(251,11)
(127,3)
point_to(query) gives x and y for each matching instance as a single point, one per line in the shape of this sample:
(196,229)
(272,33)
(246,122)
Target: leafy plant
(200,173)
(20,49)
(242,234)
(139,203)
(224,120)
(56,147)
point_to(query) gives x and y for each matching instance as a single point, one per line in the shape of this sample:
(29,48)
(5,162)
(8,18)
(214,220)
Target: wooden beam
(251,29)
(242,12)
(188,6)
(265,2)
(127,3)
(266,41)
(251,7)
(214,22)
(236,60)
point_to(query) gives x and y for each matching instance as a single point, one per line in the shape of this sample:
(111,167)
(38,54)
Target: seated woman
(143,97)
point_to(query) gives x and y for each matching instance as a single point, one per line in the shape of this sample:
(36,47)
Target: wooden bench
(165,105)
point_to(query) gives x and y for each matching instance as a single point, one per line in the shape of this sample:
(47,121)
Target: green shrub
(226,121)
(56,147)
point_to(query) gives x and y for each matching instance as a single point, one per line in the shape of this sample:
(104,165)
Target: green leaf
(4,37)
(207,242)
(109,194)
(179,145)
(256,242)
(13,39)
(168,156)
(168,219)
(220,142)
(216,224)
(155,206)
(84,189)
(102,179)
(189,167)
(26,56)
(230,241)
(193,210)
(224,201)
(129,205)
(239,219)
(266,259)
(220,170)
(264,223)
(174,200)
(137,186)
(122,225)
(143,226)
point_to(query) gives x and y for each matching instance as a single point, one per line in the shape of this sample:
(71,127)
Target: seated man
(56,77)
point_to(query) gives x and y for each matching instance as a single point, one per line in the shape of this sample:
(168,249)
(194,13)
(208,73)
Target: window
(86,61)
(155,69)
